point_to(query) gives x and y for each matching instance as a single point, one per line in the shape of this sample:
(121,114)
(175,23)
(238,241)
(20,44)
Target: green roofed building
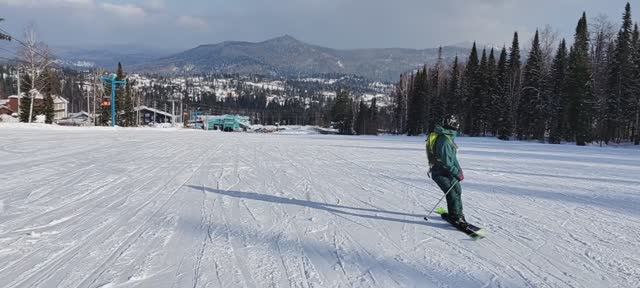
(227,123)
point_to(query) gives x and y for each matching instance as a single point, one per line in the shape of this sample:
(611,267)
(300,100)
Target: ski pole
(445,195)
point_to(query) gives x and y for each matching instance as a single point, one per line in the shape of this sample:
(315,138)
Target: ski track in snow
(150,208)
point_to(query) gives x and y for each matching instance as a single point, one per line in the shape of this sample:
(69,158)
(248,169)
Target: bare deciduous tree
(36,59)
(549,40)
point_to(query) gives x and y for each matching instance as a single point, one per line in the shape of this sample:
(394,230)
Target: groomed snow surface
(87,207)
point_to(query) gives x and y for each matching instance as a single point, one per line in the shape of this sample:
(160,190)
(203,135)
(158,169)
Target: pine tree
(579,90)
(186,102)
(492,90)
(471,92)
(25,103)
(124,104)
(501,104)
(635,103)
(417,104)
(400,105)
(342,113)
(531,107)
(514,81)
(127,108)
(558,99)
(48,109)
(426,96)
(453,102)
(25,100)
(436,104)
(360,126)
(602,55)
(372,122)
(481,102)
(51,87)
(620,80)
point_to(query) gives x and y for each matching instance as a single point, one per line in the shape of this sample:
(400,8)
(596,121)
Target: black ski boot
(459,221)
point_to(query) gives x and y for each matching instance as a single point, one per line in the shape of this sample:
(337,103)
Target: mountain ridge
(283,56)
(288,56)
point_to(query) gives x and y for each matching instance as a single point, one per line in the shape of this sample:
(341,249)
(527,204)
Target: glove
(460,176)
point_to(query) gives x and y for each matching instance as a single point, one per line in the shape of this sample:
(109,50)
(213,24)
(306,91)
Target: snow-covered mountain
(107,56)
(282,56)
(287,56)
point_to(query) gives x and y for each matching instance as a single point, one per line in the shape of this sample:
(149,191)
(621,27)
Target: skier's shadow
(331,208)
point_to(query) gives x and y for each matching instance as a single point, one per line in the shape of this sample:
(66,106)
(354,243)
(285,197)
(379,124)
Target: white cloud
(18,2)
(47,3)
(129,11)
(78,2)
(193,22)
(155,5)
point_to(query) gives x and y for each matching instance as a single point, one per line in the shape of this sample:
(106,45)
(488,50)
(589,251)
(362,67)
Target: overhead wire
(26,46)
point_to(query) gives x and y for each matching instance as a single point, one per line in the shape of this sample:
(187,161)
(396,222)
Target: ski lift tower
(114,84)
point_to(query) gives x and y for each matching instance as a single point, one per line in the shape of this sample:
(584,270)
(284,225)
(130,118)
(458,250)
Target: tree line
(585,92)
(363,119)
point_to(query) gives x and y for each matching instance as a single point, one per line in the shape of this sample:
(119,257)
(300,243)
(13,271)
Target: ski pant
(454,198)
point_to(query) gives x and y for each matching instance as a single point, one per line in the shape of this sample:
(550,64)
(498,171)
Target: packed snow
(105,207)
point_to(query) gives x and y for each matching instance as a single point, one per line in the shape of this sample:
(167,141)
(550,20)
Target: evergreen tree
(602,55)
(453,100)
(635,103)
(342,113)
(360,126)
(186,102)
(417,104)
(400,105)
(531,107)
(48,109)
(621,80)
(558,99)
(25,104)
(127,108)
(105,115)
(372,123)
(492,91)
(51,87)
(425,92)
(435,95)
(501,104)
(124,104)
(579,90)
(471,92)
(514,81)
(479,102)
(25,100)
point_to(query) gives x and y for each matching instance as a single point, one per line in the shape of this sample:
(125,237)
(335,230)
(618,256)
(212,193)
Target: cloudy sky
(333,23)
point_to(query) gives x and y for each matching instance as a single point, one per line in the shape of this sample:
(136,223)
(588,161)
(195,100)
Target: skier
(445,170)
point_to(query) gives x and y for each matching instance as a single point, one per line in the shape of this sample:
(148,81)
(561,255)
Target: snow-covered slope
(82,207)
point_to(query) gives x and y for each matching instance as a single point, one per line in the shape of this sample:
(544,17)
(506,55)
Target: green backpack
(432,139)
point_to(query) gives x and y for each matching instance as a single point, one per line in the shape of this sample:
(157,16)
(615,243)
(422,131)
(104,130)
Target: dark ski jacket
(446,154)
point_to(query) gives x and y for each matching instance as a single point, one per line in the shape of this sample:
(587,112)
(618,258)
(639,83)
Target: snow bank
(165,125)
(8,119)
